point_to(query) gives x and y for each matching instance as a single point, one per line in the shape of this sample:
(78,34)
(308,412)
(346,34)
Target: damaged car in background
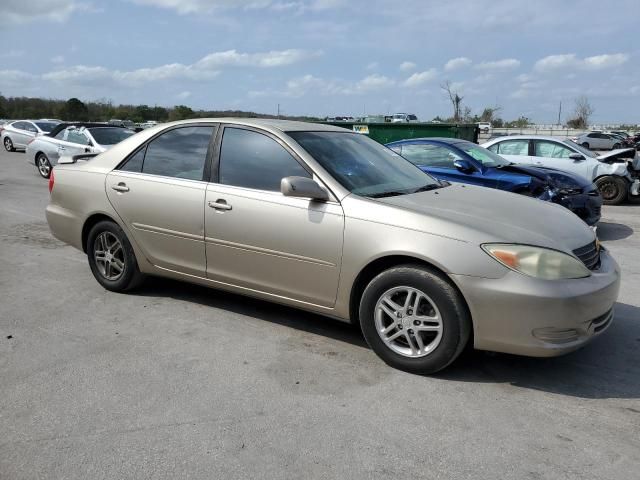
(615,173)
(461,161)
(68,139)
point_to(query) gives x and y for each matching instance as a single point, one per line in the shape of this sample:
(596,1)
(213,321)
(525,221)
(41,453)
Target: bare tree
(582,112)
(454,98)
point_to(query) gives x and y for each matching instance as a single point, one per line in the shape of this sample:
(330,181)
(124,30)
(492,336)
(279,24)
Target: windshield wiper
(392,193)
(426,188)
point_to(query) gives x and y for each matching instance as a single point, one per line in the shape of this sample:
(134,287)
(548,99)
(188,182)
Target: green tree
(181,112)
(74,109)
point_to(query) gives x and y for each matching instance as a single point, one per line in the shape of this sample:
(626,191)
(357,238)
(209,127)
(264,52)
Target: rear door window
(430,155)
(513,147)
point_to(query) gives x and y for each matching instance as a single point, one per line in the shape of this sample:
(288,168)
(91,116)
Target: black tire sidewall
(455,318)
(131,272)
(620,184)
(585,145)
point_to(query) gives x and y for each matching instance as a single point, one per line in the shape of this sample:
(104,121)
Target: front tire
(414,319)
(111,257)
(8,145)
(585,145)
(613,189)
(44,166)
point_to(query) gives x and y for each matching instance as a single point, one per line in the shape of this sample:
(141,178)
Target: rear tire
(585,145)
(8,145)
(423,319)
(613,189)
(111,257)
(616,146)
(43,164)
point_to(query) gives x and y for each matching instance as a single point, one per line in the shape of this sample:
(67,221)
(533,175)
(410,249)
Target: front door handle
(220,204)
(121,187)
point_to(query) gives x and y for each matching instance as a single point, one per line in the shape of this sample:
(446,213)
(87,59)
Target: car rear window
(46,126)
(110,135)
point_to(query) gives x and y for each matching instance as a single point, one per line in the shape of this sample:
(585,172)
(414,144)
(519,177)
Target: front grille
(589,255)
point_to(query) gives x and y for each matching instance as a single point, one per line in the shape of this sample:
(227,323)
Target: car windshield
(363,166)
(484,156)
(46,126)
(110,135)
(576,146)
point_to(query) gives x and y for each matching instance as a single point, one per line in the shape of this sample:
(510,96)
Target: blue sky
(328,57)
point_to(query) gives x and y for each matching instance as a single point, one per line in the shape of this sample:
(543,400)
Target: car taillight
(51,181)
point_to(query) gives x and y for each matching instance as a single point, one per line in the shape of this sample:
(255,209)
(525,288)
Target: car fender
(616,169)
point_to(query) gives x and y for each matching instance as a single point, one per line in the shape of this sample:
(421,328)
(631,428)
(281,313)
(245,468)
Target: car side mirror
(576,156)
(465,166)
(302,187)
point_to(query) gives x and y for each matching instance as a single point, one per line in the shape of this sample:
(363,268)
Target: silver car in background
(72,139)
(599,141)
(17,134)
(327,220)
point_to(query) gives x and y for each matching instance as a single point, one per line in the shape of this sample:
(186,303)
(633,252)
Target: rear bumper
(541,318)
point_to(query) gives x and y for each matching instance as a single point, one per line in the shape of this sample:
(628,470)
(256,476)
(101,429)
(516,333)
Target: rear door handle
(220,204)
(121,187)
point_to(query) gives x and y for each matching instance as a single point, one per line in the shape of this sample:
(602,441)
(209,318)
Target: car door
(438,160)
(20,135)
(75,143)
(159,193)
(516,150)
(258,239)
(553,154)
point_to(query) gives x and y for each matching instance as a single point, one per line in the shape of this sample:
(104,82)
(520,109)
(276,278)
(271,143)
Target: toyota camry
(327,220)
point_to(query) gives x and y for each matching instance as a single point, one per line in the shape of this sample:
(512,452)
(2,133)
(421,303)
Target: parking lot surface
(179,381)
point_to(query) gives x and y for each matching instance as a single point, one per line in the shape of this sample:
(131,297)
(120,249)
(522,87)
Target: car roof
(447,140)
(529,137)
(266,123)
(62,126)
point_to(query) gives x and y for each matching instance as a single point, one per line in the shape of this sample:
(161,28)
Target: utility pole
(559,112)
(278,110)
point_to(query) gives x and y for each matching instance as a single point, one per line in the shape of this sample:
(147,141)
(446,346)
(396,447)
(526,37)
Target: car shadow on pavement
(255,308)
(613,231)
(609,367)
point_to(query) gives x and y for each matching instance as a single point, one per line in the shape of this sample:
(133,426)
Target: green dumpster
(390,132)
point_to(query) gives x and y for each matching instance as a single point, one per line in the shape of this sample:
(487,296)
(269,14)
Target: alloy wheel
(109,256)
(8,144)
(408,322)
(44,167)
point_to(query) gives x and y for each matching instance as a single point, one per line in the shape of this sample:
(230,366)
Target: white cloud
(456,63)
(185,7)
(309,84)
(504,64)
(571,61)
(373,83)
(407,66)
(23,11)
(274,58)
(57,59)
(420,77)
(373,66)
(184,95)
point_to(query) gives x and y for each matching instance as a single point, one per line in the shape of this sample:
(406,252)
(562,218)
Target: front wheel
(414,319)
(585,145)
(111,257)
(613,189)
(8,144)
(44,166)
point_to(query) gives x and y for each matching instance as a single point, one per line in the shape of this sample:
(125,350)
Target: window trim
(215,165)
(145,144)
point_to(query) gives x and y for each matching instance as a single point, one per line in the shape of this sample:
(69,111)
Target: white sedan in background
(72,139)
(616,175)
(17,134)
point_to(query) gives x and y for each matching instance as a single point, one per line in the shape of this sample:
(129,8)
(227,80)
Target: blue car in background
(461,161)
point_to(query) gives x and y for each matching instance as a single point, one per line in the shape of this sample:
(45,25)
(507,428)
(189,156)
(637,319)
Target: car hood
(482,215)
(552,176)
(620,155)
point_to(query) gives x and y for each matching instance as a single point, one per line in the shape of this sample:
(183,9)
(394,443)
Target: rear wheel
(8,144)
(414,319)
(616,146)
(43,164)
(585,144)
(613,189)
(111,257)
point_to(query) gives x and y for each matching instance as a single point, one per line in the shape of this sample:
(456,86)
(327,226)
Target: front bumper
(587,207)
(541,318)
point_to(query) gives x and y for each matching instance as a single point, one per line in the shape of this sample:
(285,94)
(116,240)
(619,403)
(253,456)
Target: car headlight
(536,261)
